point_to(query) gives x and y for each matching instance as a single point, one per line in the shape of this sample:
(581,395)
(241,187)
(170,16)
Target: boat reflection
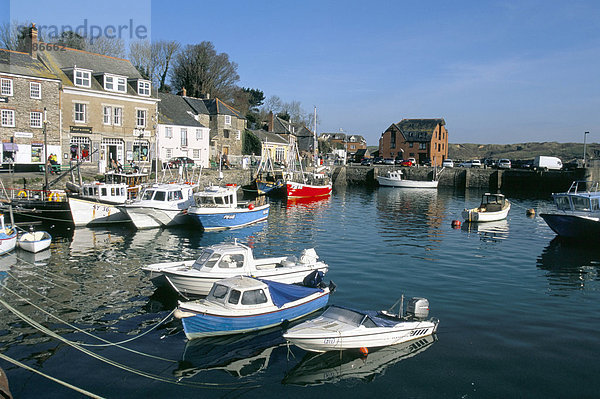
(86,240)
(38,258)
(239,355)
(331,367)
(309,203)
(488,231)
(570,265)
(6,262)
(404,210)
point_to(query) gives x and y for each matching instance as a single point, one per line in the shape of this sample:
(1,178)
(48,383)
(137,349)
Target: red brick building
(422,139)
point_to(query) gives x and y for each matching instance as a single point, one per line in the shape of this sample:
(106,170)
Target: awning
(10,147)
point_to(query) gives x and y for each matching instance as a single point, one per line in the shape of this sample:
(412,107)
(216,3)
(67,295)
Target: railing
(43,195)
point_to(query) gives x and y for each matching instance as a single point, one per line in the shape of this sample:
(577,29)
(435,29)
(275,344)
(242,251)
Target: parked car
(504,164)
(378,160)
(448,163)
(547,163)
(490,163)
(177,161)
(366,162)
(475,163)
(414,161)
(406,162)
(388,161)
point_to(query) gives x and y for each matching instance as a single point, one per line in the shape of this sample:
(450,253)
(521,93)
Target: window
(219,291)
(169,153)
(143,87)
(35,119)
(35,90)
(410,144)
(184,140)
(198,134)
(168,132)
(117,116)
(107,112)
(392,139)
(80,148)
(196,153)
(228,119)
(160,196)
(115,83)
(422,146)
(141,148)
(6,87)
(80,112)
(226,133)
(238,135)
(279,154)
(83,77)
(234,297)
(254,297)
(141,118)
(8,118)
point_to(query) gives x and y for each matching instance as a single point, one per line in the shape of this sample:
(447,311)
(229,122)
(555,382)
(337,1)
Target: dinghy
(35,241)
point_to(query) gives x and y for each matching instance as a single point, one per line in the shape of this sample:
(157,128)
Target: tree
(113,47)
(13,35)
(251,144)
(71,40)
(202,71)
(153,60)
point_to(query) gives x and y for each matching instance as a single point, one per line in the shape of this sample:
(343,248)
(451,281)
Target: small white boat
(242,304)
(221,261)
(341,328)
(395,178)
(161,205)
(493,207)
(35,241)
(8,237)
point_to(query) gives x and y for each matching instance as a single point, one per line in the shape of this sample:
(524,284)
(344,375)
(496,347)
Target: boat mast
(315,141)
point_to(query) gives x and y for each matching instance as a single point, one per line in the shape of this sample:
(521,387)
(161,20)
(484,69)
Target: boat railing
(587,186)
(25,193)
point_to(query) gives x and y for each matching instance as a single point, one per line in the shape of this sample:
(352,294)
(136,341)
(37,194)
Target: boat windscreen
(207,259)
(282,293)
(345,316)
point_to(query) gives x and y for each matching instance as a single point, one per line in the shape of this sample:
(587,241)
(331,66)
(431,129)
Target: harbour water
(519,310)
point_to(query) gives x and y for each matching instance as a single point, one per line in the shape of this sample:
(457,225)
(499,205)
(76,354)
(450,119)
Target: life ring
(54,197)
(22,194)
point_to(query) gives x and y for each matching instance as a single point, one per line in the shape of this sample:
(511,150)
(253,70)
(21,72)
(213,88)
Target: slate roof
(212,106)
(174,110)
(22,64)
(271,137)
(419,130)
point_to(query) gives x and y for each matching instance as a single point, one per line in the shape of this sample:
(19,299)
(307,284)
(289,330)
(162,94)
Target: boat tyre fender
(22,194)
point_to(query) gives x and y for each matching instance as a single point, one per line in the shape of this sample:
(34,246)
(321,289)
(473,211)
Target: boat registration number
(329,341)
(229,217)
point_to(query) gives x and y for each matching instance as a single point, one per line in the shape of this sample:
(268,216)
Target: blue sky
(496,71)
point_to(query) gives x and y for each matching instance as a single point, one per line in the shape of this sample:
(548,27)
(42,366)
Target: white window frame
(168,153)
(168,132)
(141,115)
(6,87)
(228,119)
(7,117)
(117,116)
(199,134)
(239,134)
(196,153)
(116,83)
(82,77)
(107,115)
(35,88)
(184,137)
(81,112)
(35,119)
(144,88)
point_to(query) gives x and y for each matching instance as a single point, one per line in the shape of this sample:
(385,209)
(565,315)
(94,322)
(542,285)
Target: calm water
(519,310)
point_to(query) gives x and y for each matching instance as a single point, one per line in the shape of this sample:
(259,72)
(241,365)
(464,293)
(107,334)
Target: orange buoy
(530,212)
(456,224)
(250,206)
(364,351)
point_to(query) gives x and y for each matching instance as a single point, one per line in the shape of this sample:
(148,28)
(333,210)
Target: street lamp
(584,136)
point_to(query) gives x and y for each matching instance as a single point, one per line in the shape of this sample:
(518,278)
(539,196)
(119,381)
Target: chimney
(183,92)
(207,96)
(270,121)
(32,41)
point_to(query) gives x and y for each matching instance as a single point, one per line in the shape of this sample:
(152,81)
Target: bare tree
(12,35)
(113,47)
(163,53)
(153,60)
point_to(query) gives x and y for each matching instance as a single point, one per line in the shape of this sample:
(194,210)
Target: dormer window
(144,87)
(82,77)
(115,83)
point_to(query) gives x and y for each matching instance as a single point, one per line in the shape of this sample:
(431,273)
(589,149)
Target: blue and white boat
(578,212)
(8,237)
(241,304)
(217,208)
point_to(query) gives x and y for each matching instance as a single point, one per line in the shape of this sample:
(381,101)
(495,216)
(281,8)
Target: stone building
(426,140)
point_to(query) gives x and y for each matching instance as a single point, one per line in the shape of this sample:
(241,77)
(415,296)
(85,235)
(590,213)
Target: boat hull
(91,213)
(389,182)
(31,243)
(573,226)
(222,219)
(301,190)
(48,213)
(473,215)
(151,218)
(204,325)
(8,241)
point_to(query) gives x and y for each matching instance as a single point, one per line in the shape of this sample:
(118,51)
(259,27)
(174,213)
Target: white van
(542,162)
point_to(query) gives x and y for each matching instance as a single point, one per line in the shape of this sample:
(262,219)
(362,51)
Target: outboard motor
(313,279)
(417,308)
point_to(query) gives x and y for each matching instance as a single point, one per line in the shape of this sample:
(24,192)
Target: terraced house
(426,140)
(29,101)
(107,108)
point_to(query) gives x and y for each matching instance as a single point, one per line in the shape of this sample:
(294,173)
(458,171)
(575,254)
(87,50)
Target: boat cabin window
(344,315)
(254,297)
(104,191)
(581,203)
(175,195)
(231,261)
(234,297)
(204,200)
(218,291)
(207,259)
(595,204)
(562,203)
(219,200)
(367,322)
(160,196)
(148,195)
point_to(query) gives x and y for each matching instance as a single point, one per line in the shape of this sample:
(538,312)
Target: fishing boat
(395,178)
(577,213)
(218,208)
(242,304)
(221,261)
(160,205)
(340,328)
(8,237)
(35,241)
(493,207)
(97,202)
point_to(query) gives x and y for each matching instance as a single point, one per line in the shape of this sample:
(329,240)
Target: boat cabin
(112,193)
(240,292)
(216,196)
(221,257)
(133,181)
(578,198)
(492,202)
(167,193)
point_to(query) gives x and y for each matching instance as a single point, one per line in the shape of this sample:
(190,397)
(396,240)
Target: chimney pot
(32,41)
(184,92)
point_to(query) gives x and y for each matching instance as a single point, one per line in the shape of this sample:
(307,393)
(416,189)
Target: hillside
(567,152)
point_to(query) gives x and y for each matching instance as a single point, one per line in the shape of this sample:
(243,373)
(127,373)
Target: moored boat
(35,241)
(242,304)
(395,178)
(8,237)
(493,207)
(577,213)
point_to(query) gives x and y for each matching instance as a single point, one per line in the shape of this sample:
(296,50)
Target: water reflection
(488,231)
(331,367)
(570,265)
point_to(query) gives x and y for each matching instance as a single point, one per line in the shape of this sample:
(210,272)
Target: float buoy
(22,194)
(456,224)
(530,212)
(250,206)
(364,351)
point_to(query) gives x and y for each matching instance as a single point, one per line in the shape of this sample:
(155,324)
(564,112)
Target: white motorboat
(395,178)
(35,241)
(221,261)
(242,304)
(161,205)
(341,328)
(8,237)
(493,207)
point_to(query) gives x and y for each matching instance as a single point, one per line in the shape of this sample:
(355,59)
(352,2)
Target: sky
(497,72)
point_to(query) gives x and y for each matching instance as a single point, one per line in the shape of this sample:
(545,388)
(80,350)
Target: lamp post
(584,137)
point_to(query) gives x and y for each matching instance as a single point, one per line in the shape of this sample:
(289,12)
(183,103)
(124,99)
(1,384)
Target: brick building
(426,140)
